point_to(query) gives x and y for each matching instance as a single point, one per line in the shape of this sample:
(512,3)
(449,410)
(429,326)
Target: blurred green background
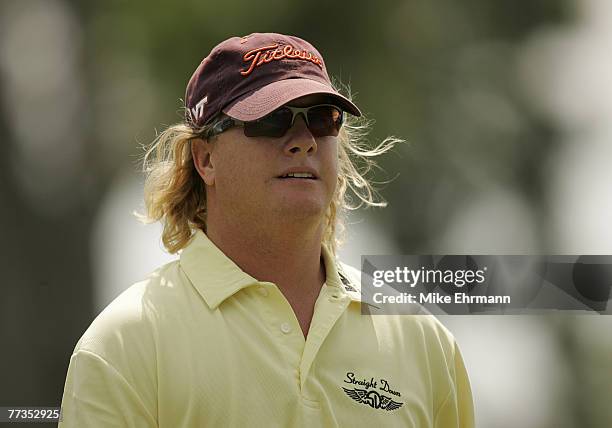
(505,107)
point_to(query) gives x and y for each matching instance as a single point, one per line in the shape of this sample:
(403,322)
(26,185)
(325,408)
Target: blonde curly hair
(175,195)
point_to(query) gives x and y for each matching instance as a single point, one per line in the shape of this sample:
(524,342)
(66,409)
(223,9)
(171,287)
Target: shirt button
(285,328)
(262,291)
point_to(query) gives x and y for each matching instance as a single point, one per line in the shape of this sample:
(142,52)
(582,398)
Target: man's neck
(288,256)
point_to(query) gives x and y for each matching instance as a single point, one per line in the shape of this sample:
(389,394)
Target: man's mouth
(300,175)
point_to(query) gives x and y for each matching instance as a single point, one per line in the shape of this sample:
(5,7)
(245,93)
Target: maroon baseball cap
(249,77)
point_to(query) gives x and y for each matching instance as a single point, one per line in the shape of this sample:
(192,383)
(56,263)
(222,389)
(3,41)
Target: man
(257,324)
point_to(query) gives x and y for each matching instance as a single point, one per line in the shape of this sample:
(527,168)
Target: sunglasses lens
(274,125)
(325,121)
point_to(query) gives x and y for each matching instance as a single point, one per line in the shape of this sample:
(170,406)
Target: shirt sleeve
(97,395)
(457,410)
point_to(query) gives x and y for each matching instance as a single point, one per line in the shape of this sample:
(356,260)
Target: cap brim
(258,103)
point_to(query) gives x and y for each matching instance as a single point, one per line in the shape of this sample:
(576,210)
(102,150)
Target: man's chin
(301,210)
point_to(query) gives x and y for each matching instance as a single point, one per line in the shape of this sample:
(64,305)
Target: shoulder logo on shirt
(346,282)
(368,395)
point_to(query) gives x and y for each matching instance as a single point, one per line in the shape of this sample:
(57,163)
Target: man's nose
(301,139)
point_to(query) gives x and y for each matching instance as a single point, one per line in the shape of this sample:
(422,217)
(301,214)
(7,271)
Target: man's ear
(201,151)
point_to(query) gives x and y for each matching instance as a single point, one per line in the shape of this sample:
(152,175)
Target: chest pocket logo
(368,395)
(372,399)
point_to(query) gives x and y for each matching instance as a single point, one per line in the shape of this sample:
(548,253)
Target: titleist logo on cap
(266,54)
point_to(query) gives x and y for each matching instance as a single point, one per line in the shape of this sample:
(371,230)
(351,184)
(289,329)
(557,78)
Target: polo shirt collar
(216,277)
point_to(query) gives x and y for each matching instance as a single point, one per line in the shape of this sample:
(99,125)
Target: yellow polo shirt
(201,343)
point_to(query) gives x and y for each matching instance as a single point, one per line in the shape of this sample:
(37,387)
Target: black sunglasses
(323,120)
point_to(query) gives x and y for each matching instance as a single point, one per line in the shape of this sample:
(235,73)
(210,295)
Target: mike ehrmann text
(437,298)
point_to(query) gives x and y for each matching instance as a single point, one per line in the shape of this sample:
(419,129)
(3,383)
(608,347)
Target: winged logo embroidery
(372,399)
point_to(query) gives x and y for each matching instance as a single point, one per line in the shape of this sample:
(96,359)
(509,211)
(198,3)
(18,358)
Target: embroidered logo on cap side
(198,110)
(265,54)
